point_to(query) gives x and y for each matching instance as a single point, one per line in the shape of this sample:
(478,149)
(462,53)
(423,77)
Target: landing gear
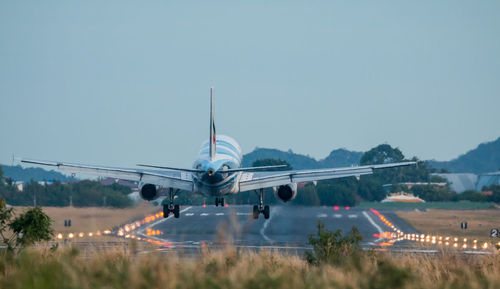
(265,210)
(170,207)
(219,201)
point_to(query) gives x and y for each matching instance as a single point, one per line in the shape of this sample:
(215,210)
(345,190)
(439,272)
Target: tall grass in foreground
(228,268)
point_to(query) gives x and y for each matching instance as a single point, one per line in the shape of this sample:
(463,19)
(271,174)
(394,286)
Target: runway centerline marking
(204,214)
(189,214)
(321,215)
(337,216)
(243,214)
(374,225)
(352,216)
(219,214)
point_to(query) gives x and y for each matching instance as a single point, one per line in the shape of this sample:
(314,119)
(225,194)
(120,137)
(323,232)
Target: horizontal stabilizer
(170,168)
(262,168)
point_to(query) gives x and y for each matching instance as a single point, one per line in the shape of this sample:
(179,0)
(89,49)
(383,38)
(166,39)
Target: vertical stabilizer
(212,125)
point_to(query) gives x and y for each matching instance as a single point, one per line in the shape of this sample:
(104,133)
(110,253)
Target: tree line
(85,193)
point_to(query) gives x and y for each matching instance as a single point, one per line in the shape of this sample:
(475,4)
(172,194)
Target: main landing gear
(219,201)
(170,207)
(261,208)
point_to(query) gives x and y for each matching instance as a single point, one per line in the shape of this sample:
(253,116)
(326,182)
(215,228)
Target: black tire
(165,211)
(266,212)
(216,202)
(222,202)
(176,211)
(256,212)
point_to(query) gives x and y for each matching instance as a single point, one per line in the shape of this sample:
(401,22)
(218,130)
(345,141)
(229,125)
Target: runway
(288,226)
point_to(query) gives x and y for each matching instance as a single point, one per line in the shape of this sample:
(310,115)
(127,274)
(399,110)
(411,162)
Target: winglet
(212,125)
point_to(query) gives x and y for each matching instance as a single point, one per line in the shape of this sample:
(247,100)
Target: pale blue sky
(123,82)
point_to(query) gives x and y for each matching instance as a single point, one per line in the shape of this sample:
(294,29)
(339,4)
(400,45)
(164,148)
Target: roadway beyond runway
(287,227)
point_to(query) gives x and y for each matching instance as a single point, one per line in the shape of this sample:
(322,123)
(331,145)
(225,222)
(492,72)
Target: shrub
(334,248)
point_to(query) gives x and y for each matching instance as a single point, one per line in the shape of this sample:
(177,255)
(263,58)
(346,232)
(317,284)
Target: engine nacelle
(286,192)
(149,192)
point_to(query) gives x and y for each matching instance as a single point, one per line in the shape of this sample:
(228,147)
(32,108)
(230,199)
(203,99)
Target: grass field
(447,222)
(93,219)
(229,269)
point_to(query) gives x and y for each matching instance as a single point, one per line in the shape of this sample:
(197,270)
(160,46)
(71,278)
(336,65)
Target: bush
(332,247)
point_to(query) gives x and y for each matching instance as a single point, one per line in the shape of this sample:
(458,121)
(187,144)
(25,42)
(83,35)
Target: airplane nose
(211,172)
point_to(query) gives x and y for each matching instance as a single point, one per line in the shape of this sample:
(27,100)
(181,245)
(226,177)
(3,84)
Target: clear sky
(123,82)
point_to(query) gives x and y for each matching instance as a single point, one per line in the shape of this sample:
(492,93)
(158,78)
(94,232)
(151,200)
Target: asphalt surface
(287,227)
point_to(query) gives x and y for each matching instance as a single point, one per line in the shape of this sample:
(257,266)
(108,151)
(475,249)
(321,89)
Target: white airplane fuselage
(213,181)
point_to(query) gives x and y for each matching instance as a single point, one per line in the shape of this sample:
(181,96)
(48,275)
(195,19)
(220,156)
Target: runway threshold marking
(374,225)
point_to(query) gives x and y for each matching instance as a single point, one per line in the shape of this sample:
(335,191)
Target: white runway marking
(266,223)
(337,216)
(219,214)
(243,214)
(188,214)
(374,224)
(204,214)
(321,215)
(352,216)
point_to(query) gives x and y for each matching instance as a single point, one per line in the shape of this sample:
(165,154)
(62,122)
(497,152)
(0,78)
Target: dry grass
(229,269)
(93,219)
(447,222)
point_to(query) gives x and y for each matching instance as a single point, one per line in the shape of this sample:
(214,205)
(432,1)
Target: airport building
(465,181)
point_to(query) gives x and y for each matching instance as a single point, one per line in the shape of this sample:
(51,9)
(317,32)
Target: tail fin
(212,126)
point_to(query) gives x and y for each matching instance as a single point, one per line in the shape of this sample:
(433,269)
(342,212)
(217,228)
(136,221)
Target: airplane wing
(168,179)
(254,181)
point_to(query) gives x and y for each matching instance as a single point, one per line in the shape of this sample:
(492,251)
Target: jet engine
(149,192)
(286,192)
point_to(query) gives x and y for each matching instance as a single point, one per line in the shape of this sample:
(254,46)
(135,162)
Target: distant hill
(483,159)
(337,158)
(341,158)
(18,173)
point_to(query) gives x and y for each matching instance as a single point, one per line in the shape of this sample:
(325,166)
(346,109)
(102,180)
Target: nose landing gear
(219,201)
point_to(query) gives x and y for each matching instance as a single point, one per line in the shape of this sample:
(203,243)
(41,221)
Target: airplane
(216,172)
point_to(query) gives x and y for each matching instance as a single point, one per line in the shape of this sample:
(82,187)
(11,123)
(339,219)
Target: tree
(495,189)
(381,154)
(6,215)
(30,227)
(473,196)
